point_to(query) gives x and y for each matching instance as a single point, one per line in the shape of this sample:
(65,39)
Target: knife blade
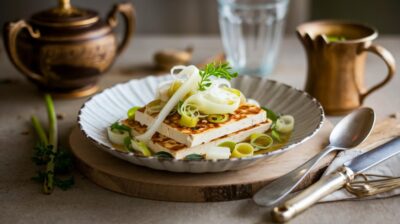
(335,181)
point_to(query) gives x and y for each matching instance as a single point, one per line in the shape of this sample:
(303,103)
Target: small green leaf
(163,155)
(194,157)
(275,135)
(271,114)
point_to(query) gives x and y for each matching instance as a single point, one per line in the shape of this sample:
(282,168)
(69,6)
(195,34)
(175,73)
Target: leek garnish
(189,115)
(174,87)
(218,118)
(154,106)
(284,124)
(221,70)
(131,113)
(275,135)
(228,144)
(127,144)
(216,152)
(117,127)
(187,121)
(186,88)
(163,155)
(116,136)
(260,141)
(140,147)
(242,150)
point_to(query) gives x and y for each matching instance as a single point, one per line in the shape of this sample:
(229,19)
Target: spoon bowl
(353,129)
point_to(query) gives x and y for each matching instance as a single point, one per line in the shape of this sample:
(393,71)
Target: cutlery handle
(276,191)
(311,195)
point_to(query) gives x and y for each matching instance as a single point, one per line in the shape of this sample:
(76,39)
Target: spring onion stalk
(116,136)
(260,141)
(228,144)
(186,87)
(284,124)
(242,150)
(39,130)
(215,153)
(53,132)
(218,118)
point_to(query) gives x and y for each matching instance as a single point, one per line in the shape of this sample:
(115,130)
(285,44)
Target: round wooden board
(123,177)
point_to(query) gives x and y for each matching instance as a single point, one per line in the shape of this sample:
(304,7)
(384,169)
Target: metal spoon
(348,133)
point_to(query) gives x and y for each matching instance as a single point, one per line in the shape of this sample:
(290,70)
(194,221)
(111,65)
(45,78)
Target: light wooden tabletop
(22,202)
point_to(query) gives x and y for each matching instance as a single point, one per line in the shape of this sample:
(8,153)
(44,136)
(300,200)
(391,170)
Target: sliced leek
(131,112)
(284,124)
(140,147)
(218,118)
(215,153)
(174,87)
(190,84)
(117,137)
(187,121)
(154,106)
(243,150)
(260,141)
(228,144)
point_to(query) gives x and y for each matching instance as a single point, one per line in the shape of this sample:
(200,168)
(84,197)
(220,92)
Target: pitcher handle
(11,31)
(388,58)
(128,12)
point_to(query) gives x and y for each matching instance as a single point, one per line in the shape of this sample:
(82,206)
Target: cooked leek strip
(218,118)
(215,153)
(187,121)
(190,84)
(260,141)
(285,124)
(214,101)
(228,144)
(242,150)
(154,106)
(237,92)
(140,147)
(174,87)
(131,112)
(116,136)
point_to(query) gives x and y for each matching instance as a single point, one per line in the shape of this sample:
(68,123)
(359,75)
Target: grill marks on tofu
(204,125)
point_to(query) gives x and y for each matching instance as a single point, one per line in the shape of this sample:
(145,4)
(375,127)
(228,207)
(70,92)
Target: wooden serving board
(126,178)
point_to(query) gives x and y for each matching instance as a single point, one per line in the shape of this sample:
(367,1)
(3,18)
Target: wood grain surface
(123,177)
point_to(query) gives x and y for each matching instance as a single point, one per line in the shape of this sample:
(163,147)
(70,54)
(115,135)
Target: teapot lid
(65,15)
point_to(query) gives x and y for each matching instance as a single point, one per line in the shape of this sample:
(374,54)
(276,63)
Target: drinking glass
(251,33)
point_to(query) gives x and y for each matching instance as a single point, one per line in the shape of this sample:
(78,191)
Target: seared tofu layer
(245,116)
(160,142)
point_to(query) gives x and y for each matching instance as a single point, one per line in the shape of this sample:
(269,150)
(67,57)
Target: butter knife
(335,181)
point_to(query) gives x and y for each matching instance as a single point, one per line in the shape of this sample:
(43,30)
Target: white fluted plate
(110,105)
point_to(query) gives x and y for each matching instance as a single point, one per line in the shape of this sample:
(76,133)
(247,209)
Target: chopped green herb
(221,70)
(271,114)
(120,127)
(163,155)
(194,157)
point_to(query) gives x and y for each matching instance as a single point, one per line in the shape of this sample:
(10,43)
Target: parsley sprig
(220,70)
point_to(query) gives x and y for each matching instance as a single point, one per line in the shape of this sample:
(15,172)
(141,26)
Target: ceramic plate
(112,104)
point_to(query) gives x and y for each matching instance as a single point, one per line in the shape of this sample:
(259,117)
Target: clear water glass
(251,33)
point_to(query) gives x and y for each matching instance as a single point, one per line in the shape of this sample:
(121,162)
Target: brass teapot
(64,50)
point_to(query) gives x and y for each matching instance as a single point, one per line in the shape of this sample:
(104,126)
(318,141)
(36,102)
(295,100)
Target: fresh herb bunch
(221,70)
(54,163)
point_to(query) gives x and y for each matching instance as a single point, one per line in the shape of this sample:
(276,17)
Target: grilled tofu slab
(247,115)
(160,142)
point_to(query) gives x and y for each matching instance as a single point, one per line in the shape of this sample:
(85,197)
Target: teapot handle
(128,12)
(11,31)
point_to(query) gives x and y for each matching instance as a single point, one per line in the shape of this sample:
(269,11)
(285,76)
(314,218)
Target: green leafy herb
(128,144)
(163,155)
(120,127)
(271,114)
(194,157)
(221,70)
(51,159)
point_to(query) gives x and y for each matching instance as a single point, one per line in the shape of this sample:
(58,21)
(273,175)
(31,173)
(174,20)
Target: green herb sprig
(221,70)
(54,163)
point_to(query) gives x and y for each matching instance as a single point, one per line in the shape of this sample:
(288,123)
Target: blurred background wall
(192,17)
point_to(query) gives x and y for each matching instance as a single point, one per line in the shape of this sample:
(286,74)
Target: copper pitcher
(336,53)
(65,49)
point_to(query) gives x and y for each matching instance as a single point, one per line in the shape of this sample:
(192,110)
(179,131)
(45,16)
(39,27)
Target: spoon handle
(281,187)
